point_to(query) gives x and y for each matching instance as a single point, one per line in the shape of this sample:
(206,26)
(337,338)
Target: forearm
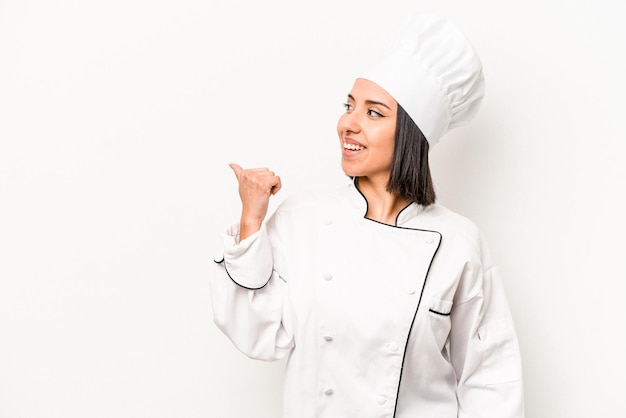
(247,297)
(486,355)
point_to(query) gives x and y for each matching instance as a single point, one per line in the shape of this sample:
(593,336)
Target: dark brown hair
(410,173)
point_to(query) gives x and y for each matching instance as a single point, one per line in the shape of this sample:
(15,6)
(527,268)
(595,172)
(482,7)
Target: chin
(348,171)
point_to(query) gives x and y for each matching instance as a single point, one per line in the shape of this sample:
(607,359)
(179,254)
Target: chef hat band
(433,72)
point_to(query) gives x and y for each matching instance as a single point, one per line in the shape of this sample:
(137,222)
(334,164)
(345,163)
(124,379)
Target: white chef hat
(433,72)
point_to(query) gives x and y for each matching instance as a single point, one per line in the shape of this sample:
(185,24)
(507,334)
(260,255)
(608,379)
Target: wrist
(248,227)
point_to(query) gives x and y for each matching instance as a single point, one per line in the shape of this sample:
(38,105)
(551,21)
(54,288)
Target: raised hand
(256,186)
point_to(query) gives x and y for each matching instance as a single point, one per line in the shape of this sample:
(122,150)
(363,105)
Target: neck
(382,206)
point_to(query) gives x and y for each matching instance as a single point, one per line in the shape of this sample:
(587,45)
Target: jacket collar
(359,204)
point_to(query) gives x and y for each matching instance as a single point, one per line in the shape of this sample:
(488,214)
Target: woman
(386,303)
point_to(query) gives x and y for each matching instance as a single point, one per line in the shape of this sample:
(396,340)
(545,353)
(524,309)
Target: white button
(327,276)
(381,401)
(328,337)
(393,346)
(429,240)
(410,291)
(328,221)
(328,391)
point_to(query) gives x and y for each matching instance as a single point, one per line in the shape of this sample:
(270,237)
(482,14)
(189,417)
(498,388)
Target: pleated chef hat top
(433,72)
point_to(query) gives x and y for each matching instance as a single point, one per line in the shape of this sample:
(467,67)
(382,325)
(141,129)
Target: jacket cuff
(249,262)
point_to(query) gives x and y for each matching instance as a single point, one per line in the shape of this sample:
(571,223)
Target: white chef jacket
(402,321)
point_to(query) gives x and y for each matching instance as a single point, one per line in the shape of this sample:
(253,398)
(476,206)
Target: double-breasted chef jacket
(377,320)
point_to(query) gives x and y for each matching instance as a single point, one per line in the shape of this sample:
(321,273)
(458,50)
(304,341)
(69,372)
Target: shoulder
(458,232)
(311,199)
(308,204)
(447,221)
(301,212)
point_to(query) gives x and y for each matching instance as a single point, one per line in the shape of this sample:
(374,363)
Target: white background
(118,119)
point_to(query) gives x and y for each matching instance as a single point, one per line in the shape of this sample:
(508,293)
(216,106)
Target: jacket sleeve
(248,297)
(485,352)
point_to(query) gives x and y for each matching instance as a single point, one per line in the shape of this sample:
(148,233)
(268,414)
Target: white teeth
(353,147)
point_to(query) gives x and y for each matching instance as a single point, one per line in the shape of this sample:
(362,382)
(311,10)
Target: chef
(385,303)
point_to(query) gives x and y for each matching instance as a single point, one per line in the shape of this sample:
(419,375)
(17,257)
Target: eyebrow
(370,102)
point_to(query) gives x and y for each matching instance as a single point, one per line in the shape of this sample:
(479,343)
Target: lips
(352,145)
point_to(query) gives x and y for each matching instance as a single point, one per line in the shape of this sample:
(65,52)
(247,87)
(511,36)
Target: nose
(349,122)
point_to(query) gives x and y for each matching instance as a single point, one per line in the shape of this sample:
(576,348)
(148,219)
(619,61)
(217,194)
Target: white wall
(117,120)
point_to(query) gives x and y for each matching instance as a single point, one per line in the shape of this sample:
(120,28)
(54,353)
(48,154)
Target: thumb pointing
(236,169)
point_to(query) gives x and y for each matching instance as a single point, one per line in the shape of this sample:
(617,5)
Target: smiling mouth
(353,147)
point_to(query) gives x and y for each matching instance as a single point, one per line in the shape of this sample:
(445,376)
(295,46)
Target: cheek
(387,147)
(388,139)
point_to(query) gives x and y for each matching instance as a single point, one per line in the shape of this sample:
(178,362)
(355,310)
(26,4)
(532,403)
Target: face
(367,130)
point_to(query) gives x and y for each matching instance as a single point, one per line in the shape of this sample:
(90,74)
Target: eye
(373,113)
(347,107)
